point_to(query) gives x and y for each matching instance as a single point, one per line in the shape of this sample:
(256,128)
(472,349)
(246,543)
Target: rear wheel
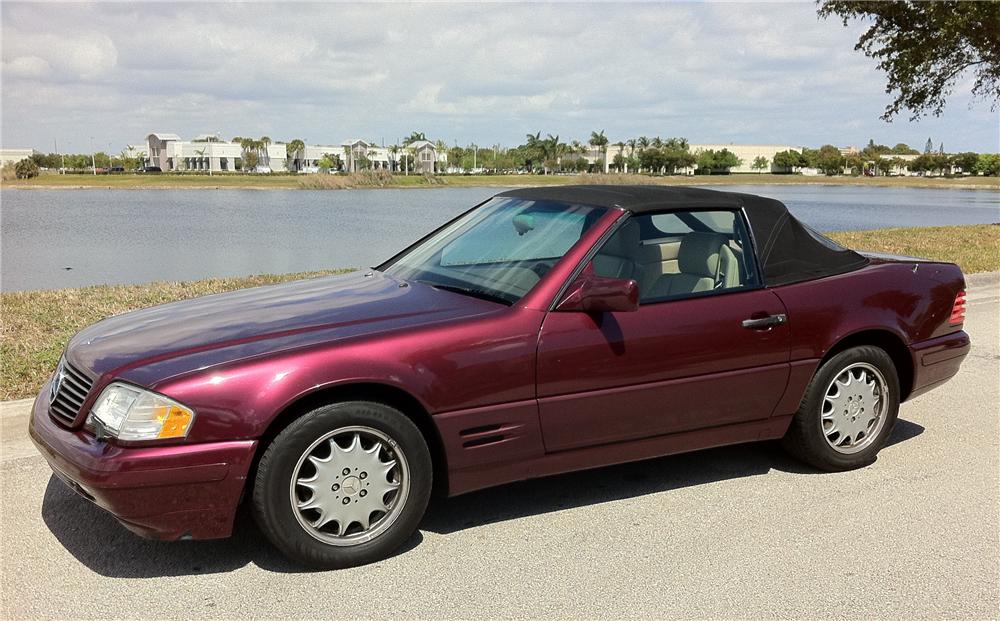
(345,484)
(848,411)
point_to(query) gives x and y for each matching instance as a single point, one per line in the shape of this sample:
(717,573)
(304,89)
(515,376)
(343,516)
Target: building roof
(164,136)
(420,144)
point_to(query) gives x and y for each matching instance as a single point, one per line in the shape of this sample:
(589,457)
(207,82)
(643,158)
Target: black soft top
(788,250)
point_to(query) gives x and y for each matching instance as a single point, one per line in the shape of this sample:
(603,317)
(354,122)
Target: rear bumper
(937,360)
(162,492)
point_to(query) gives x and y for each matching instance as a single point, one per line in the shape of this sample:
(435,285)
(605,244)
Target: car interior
(677,254)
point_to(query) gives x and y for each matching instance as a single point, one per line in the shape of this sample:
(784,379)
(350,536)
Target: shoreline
(137,182)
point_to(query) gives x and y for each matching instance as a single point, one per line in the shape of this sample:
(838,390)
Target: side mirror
(597,294)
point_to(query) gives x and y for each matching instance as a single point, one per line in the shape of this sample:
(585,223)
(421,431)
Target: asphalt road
(735,532)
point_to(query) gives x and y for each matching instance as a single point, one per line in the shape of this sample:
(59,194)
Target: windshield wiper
(482,294)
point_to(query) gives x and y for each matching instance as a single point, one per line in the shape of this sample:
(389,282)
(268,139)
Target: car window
(672,224)
(516,235)
(680,254)
(498,251)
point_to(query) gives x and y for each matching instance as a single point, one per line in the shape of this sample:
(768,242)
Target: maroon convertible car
(546,330)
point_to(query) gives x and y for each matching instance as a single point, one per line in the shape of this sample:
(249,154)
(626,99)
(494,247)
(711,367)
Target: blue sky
(743,73)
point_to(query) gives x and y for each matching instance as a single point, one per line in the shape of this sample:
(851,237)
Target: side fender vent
(484,435)
(484,440)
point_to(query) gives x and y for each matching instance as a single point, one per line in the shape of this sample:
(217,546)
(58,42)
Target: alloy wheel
(854,407)
(349,486)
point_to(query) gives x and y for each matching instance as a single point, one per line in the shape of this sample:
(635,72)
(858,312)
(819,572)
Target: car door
(700,351)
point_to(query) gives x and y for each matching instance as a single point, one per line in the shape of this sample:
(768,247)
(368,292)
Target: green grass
(37,324)
(975,248)
(385,180)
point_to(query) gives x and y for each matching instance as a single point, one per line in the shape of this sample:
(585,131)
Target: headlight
(131,413)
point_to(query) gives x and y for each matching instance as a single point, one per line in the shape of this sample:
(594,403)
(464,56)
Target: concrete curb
(13,408)
(983,280)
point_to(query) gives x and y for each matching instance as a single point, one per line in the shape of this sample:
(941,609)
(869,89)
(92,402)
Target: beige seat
(619,256)
(705,262)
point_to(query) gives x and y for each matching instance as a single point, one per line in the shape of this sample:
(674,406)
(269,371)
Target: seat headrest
(699,254)
(625,241)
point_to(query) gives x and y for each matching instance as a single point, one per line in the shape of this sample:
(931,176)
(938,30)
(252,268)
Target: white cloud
(484,73)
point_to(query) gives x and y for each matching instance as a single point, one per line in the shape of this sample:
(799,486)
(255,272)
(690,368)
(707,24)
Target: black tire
(805,438)
(272,506)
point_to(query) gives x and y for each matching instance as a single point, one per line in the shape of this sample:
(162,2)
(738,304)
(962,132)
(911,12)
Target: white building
(747,154)
(426,158)
(9,157)
(208,153)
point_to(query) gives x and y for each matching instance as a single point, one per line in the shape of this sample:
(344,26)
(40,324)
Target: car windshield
(498,251)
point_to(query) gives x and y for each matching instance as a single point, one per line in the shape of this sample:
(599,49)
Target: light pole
(93,158)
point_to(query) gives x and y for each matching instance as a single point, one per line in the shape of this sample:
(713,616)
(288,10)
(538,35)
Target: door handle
(767,322)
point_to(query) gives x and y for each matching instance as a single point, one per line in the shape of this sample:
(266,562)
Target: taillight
(958,310)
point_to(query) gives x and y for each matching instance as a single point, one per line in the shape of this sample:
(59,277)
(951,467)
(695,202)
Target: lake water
(131,236)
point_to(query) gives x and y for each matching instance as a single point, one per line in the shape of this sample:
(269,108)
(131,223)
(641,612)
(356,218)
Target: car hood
(254,321)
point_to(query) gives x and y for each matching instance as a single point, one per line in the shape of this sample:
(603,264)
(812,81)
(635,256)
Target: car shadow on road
(539,496)
(98,541)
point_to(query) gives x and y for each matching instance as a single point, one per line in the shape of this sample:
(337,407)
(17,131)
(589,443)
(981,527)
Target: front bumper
(160,492)
(937,360)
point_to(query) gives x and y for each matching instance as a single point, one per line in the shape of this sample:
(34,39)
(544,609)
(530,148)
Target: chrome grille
(69,390)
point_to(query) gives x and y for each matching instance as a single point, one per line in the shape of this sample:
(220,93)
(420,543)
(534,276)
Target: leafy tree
(873,150)
(929,147)
(809,157)
(925,47)
(829,160)
(898,163)
(675,157)
(966,161)
(855,162)
(619,162)
(989,164)
(26,169)
(455,155)
(931,163)
(760,164)
(717,161)
(904,149)
(652,159)
(788,160)
(415,136)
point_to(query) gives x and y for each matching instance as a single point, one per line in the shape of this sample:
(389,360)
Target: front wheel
(344,485)
(848,411)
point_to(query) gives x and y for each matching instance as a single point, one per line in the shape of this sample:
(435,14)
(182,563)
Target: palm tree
(262,149)
(415,136)
(201,154)
(599,140)
(533,146)
(293,151)
(394,150)
(348,159)
(251,153)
